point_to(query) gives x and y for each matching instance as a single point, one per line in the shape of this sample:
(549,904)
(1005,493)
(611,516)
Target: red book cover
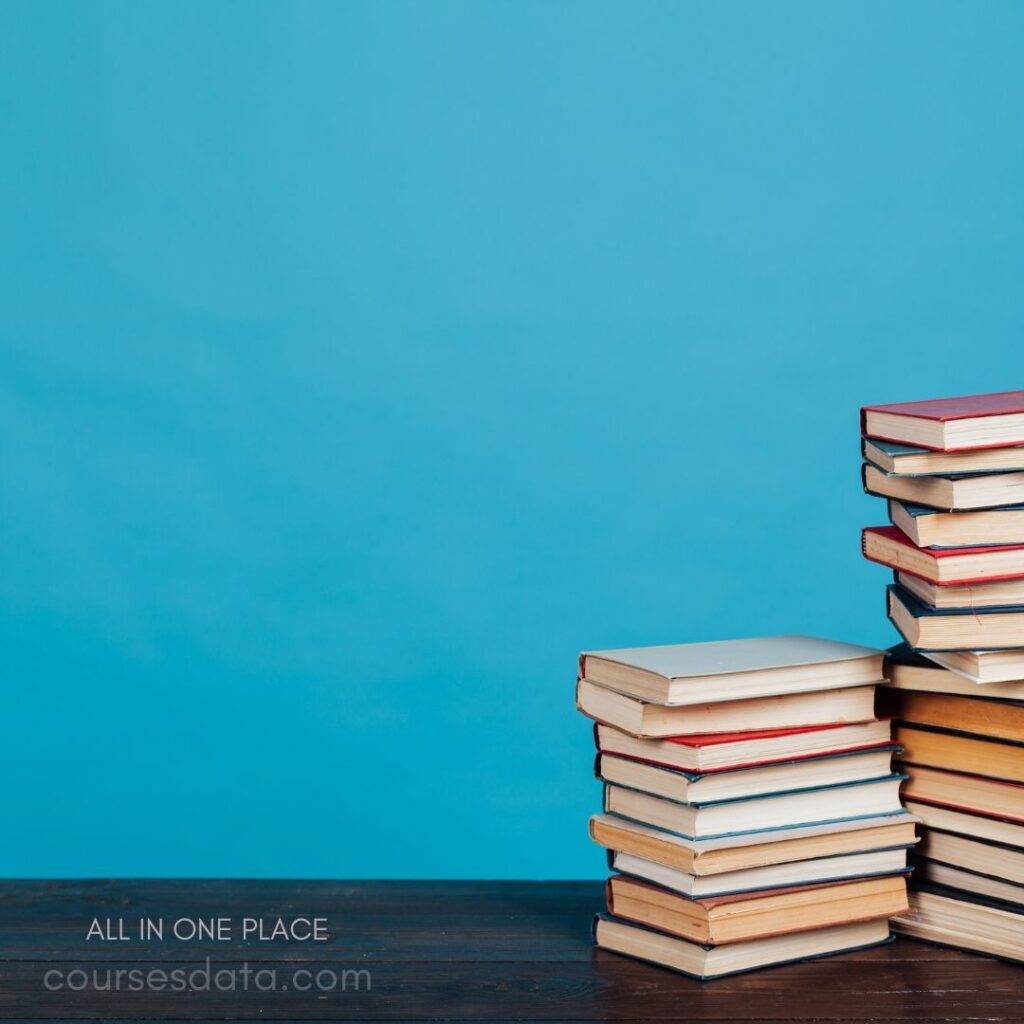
(966,808)
(710,739)
(713,739)
(897,536)
(1001,403)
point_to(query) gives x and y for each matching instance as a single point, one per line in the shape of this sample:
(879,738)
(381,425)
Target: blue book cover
(1008,460)
(917,610)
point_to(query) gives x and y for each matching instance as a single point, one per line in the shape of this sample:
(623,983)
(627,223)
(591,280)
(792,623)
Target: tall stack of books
(751,814)
(953,473)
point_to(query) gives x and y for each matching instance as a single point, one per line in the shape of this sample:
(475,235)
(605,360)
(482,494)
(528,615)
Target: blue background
(361,363)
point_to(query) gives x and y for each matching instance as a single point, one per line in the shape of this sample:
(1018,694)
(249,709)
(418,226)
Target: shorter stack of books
(751,814)
(964,758)
(953,473)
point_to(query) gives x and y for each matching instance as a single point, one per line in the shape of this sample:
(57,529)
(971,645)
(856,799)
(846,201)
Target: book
(928,527)
(728,670)
(980,716)
(963,920)
(980,856)
(983,667)
(866,864)
(757,814)
(787,777)
(752,849)
(949,424)
(906,460)
(956,752)
(949,875)
(971,794)
(926,629)
(908,670)
(890,546)
(747,916)
(1009,833)
(793,710)
(946,492)
(706,962)
(717,752)
(996,594)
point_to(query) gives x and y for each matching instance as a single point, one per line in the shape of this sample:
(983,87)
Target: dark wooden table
(458,951)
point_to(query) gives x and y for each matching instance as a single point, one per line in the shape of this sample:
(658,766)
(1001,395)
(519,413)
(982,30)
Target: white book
(726,670)
(757,814)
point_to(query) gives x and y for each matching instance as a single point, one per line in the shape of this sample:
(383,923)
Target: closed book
(906,460)
(949,424)
(987,829)
(793,710)
(727,670)
(979,716)
(752,849)
(707,962)
(958,752)
(757,814)
(964,920)
(710,787)
(890,546)
(946,492)
(927,629)
(819,870)
(929,527)
(994,594)
(716,752)
(980,856)
(960,791)
(907,669)
(935,873)
(983,667)
(746,916)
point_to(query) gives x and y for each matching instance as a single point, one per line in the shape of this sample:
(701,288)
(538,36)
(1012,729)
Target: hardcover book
(981,856)
(934,678)
(758,814)
(717,752)
(927,527)
(964,920)
(950,424)
(959,791)
(983,667)
(955,752)
(818,871)
(981,716)
(791,711)
(996,594)
(729,670)
(943,566)
(953,876)
(747,916)
(752,849)
(988,829)
(927,629)
(905,460)
(787,777)
(946,492)
(706,962)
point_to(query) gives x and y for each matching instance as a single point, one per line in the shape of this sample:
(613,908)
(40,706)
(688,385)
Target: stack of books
(751,814)
(953,473)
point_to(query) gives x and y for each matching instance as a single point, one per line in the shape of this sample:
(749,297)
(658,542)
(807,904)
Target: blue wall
(361,363)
